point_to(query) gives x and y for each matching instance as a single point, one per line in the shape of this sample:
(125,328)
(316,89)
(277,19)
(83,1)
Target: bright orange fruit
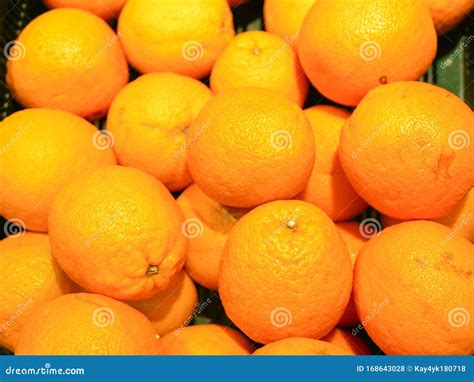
(149,119)
(447,14)
(250,146)
(107,9)
(86,324)
(67,59)
(41,150)
(345,340)
(410,162)
(414,281)
(285,272)
(301,346)
(117,232)
(347,48)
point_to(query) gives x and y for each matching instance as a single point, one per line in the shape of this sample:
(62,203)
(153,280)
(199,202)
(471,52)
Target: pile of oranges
(214,176)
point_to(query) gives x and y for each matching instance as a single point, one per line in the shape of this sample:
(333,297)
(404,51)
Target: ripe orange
(117,232)
(250,146)
(29,277)
(207,226)
(460,219)
(301,346)
(108,9)
(351,234)
(86,324)
(171,308)
(347,49)
(149,119)
(175,36)
(406,150)
(328,187)
(67,59)
(40,150)
(285,272)
(345,340)
(447,14)
(285,17)
(413,288)
(260,59)
(209,339)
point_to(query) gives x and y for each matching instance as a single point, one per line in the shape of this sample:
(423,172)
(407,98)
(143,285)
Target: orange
(460,219)
(250,146)
(352,236)
(260,59)
(328,187)
(149,119)
(414,289)
(209,339)
(29,277)
(285,17)
(108,9)
(345,340)
(347,49)
(447,14)
(184,36)
(67,59)
(301,346)
(86,324)
(406,150)
(285,272)
(171,308)
(117,232)
(40,150)
(207,226)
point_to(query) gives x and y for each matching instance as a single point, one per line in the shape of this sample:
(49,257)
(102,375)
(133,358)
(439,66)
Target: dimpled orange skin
(404,150)
(301,346)
(260,59)
(287,259)
(208,339)
(172,307)
(86,324)
(148,119)
(447,14)
(250,139)
(415,283)
(207,235)
(29,277)
(285,17)
(460,219)
(42,149)
(108,9)
(347,50)
(117,232)
(184,36)
(72,60)
(345,340)
(328,187)
(350,233)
